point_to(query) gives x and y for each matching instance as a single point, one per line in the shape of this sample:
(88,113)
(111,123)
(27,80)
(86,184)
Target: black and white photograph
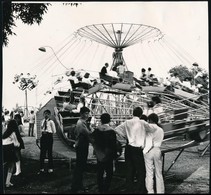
(105,97)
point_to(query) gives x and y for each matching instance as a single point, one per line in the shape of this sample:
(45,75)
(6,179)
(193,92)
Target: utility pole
(27,111)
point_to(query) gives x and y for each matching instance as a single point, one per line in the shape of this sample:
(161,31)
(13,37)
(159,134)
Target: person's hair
(176,74)
(32,111)
(149,69)
(79,78)
(105,118)
(144,117)
(18,117)
(153,117)
(6,112)
(120,80)
(21,112)
(143,70)
(106,64)
(137,111)
(156,99)
(114,68)
(86,75)
(84,109)
(72,73)
(47,112)
(66,99)
(12,126)
(150,104)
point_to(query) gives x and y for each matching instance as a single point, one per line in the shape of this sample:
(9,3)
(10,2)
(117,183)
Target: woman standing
(19,132)
(9,143)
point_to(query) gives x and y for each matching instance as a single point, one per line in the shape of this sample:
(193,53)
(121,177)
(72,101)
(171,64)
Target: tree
(182,71)
(29,13)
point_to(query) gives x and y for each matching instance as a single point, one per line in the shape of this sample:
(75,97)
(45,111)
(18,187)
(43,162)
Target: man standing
(46,141)
(82,132)
(134,131)
(153,158)
(31,123)
(106,152)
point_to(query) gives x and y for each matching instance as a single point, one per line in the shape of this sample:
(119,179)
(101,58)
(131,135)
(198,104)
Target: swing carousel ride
(184,112)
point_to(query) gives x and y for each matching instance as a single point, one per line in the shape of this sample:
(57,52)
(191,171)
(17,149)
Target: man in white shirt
(73,79)
(134,131)
(46,141)
(153,157)
(31,123)
(175,81)
(86,79)
(121,70)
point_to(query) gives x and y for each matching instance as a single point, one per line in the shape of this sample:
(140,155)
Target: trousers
(153,162)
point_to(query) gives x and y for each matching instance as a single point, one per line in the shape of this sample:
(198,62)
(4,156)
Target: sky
(185,22)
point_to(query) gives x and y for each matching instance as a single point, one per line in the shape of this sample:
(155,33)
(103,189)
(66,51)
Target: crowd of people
(104,139)
(135,132)
(12,132)
(118,73)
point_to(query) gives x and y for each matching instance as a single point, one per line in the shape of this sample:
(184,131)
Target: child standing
(46,141)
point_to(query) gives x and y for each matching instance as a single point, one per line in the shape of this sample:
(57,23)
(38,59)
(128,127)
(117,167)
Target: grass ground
(190,174)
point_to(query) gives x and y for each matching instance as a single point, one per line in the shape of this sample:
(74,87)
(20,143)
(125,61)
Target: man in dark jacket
(105,149)
(82,132)
(104,69)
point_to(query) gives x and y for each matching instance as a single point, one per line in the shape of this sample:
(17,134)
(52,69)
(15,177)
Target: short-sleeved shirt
(32,118)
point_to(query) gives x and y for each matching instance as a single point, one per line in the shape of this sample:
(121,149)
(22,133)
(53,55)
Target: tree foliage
(182,71)
(29,13)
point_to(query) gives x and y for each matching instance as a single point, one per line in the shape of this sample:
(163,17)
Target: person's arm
(82,128)
(79,106)
(121,132)
(15,140)
(53,127)
(149,127)
(21,130)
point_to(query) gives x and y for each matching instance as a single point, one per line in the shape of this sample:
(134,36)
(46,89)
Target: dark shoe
(50,171)
(41,172)
(86,189)
(9,185)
